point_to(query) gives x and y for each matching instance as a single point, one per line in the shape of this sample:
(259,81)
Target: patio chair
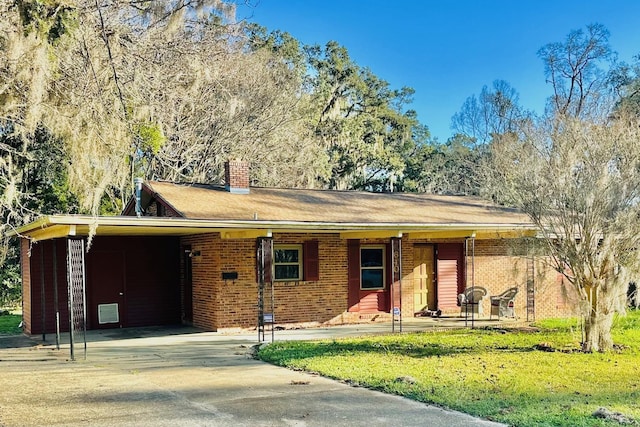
(503,305)
(471,300)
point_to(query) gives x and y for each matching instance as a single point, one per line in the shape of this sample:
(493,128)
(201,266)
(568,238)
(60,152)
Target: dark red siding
(311,261)
(151,282)
(450,271)
(366,301)
(149,268)
(353,272)
(41,261)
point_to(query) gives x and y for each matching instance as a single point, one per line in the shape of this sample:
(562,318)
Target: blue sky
(447,50)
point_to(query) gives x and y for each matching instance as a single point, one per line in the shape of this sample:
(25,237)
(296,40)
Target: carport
(84,273)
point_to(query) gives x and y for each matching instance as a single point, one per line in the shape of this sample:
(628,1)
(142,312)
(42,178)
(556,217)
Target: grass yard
(9,324)
(520,377)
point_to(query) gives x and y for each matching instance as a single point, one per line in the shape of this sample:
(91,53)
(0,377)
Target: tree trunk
(597,328)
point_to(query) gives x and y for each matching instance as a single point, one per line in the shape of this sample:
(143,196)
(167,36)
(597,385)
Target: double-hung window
(372,269)
(287,263)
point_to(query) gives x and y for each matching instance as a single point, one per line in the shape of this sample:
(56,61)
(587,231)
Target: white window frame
(383,267)
(300,262)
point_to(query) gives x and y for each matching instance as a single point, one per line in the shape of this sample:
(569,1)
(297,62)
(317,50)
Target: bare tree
(575,71)
(495,111)
(579,182)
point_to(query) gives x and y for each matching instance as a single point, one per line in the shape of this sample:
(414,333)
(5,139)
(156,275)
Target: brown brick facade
(502,264)
(221,304)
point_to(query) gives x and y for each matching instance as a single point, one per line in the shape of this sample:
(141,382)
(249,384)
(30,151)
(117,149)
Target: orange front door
(424,292)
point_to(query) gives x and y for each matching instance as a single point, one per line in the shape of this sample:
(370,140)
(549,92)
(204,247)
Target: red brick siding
(233,303)
(236,174)
(501,264)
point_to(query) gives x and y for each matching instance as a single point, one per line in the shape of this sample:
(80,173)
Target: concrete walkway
(186,377)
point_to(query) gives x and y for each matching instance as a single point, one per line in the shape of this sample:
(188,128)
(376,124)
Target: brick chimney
(236,176)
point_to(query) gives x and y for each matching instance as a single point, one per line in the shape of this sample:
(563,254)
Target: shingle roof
(197,201)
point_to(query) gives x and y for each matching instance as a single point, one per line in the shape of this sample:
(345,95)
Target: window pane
(371,257)
(286,255)
(372,279)
(284,272)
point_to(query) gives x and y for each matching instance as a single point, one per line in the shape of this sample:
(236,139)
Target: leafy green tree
(359,119)
(625,80)
(449,168)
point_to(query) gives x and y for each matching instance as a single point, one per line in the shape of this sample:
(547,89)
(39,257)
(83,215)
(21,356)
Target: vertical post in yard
(55,293)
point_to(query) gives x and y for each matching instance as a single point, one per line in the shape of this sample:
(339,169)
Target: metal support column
(472,240)
(77,294)
(396,277)
(43,301)
(55,292)
(264,258)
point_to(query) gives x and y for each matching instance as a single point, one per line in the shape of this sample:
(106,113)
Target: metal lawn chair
(503,305)
(471,300)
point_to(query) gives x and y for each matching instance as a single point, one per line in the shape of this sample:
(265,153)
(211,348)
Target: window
(287,262)
(372,267)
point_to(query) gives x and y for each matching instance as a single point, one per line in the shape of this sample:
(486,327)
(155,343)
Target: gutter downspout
(137,182)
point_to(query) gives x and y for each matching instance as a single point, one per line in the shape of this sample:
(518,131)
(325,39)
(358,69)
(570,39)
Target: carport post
(473,272)
(76,290)
(42,296)
(55,294)
(396,276)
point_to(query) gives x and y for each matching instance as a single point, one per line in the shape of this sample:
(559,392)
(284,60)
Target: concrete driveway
(186,377)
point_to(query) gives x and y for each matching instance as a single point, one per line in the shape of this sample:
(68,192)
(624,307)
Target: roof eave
(55,226)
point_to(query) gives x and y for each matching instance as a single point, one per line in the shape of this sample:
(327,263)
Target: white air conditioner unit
(108,313)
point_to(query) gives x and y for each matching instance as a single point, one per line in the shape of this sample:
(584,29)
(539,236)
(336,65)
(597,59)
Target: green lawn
(505,376)
(9,324)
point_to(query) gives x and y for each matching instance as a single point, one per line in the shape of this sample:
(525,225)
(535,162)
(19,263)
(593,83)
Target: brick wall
(236,175)
(501,264)
(219,304)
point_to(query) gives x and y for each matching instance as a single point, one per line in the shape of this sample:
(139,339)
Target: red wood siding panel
(353,272)
(42,256)
(264,245)
(447,283)
(107,285)
(311,261)
(372,302)
(151,278)
(365,301)
(450,274)
(25,267)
